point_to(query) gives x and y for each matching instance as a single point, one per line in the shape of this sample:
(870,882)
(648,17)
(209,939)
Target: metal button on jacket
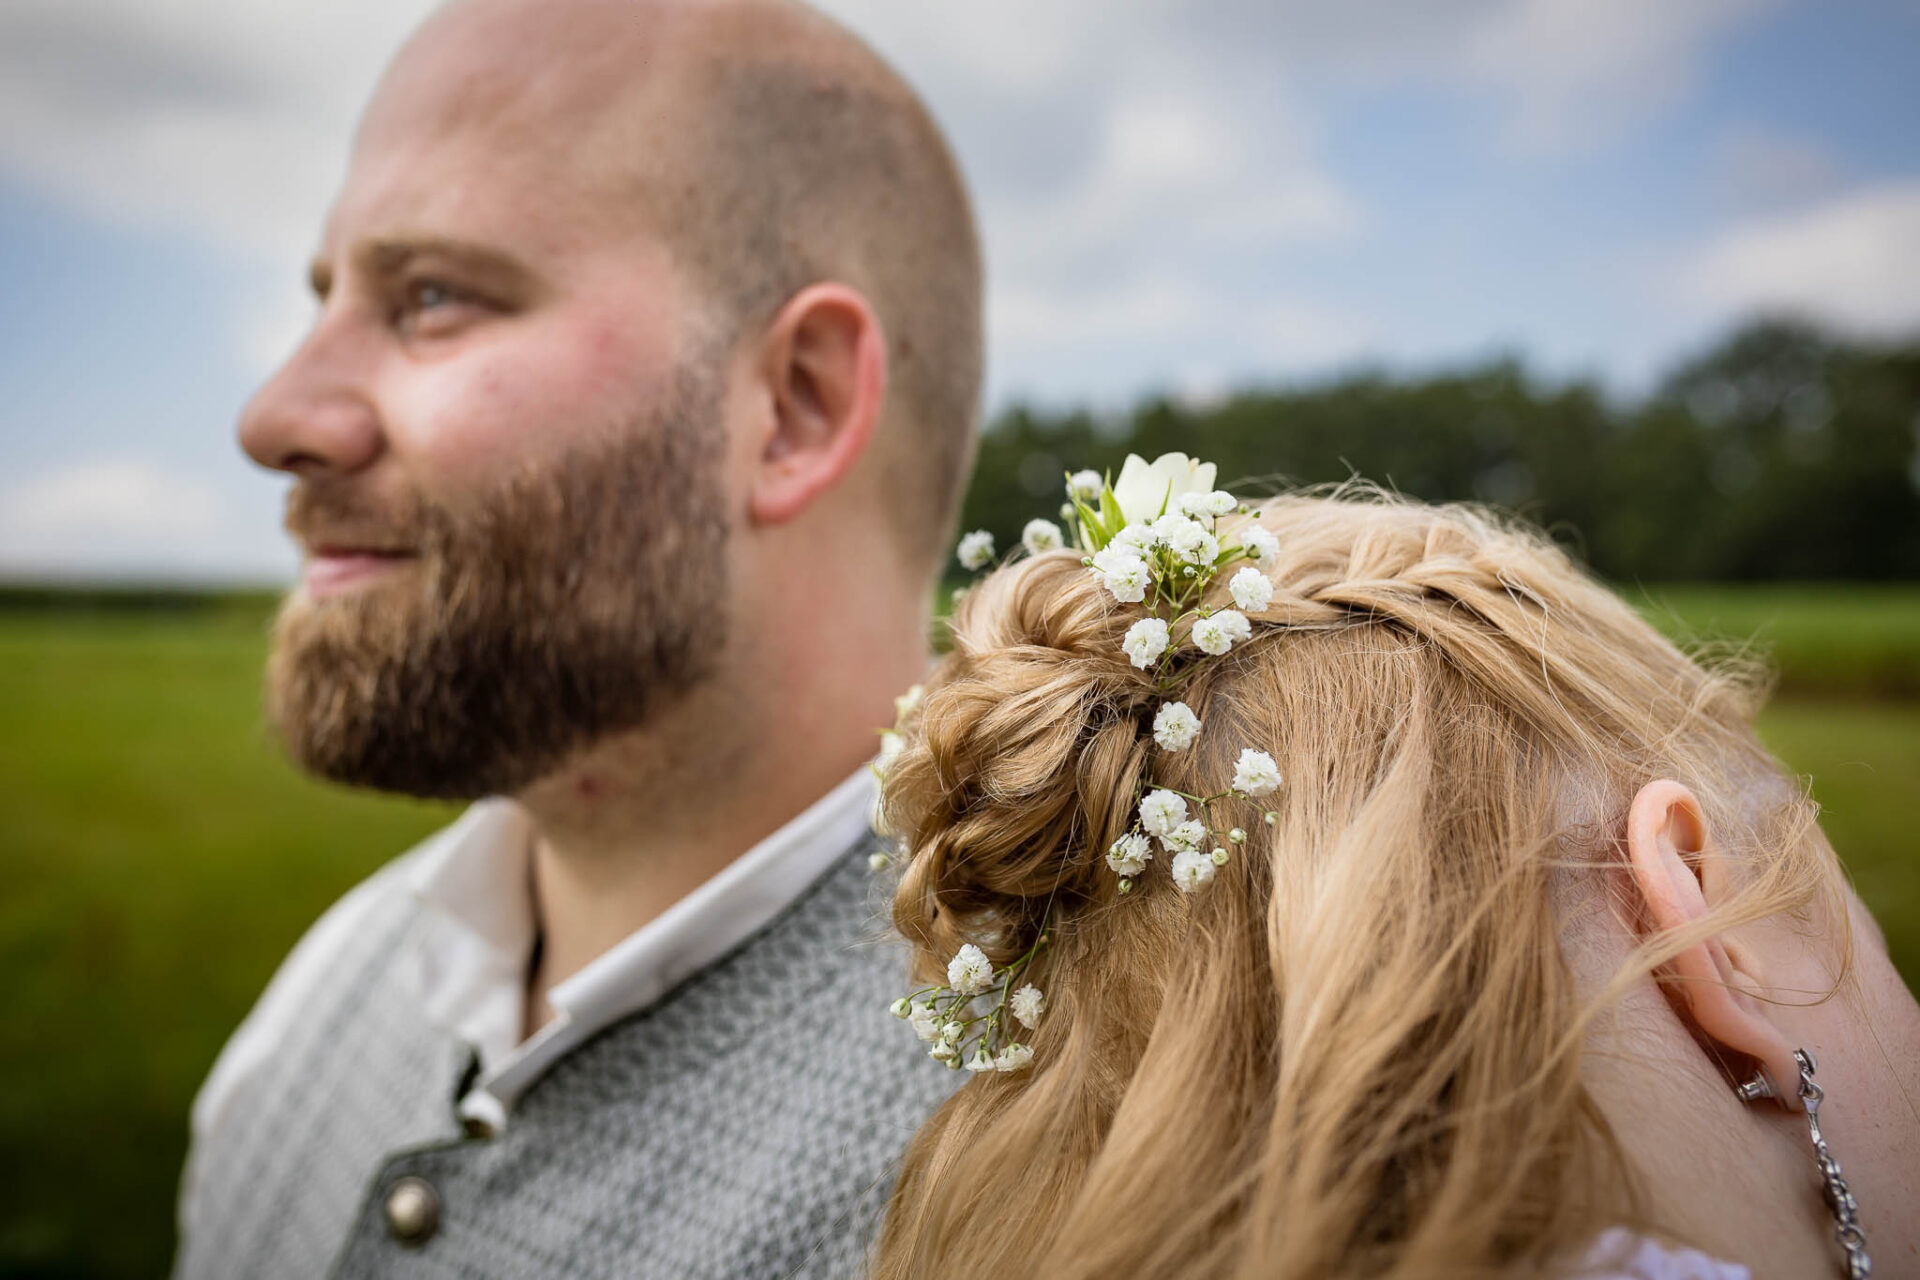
(413,1210)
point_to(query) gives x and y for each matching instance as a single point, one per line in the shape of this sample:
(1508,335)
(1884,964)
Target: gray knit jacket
(747,1125)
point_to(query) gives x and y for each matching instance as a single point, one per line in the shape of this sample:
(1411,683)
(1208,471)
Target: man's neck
(641,820)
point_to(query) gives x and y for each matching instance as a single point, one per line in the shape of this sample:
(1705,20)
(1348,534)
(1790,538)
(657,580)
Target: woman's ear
(1680,874)
(824,362)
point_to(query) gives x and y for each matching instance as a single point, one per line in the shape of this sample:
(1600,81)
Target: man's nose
(316,414)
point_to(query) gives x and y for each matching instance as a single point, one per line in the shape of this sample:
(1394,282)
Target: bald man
(624,446)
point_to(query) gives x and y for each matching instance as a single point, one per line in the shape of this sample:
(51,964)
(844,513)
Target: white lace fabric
(1620,1254)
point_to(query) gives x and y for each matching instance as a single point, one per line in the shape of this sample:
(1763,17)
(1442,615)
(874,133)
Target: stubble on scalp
(566,605)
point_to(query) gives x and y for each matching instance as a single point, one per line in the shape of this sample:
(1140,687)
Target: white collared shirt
(473,883)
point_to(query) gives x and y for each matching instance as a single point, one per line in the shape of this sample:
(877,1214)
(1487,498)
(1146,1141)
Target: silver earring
(1761,1086)
(1839,1197)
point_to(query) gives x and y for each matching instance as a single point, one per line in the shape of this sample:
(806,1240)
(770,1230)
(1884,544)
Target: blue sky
(1176,196)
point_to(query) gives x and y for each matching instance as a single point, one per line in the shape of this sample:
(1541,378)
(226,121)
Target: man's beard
(565,606)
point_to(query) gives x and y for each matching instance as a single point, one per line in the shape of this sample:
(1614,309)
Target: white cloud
(1760,169)
(228,119)
(129,515)
(1574,71)
(1852,262)
(1175,330)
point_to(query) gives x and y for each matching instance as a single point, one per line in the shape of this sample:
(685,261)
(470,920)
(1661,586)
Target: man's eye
(429,308)
(425,295)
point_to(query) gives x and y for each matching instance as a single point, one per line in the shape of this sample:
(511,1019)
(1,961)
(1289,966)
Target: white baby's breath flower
(976,549)
(1255,773)
(1188,539)
(981,1059)
(891,745)
(925,1022)
(970,972)
(1252,589)
(879,860)
(943,1051)
(1137,538)
(1185,837)
(1085,486)
(1027,1005)
(1124,574)
(901,1008)
(1161,811)
(1204,505)
(1042,535)
(1145,489)
(1193,871)
(1130,854)
(1261,545)
(1216,634)
(1145,641)
(908,703)
(952,1031)
(1174,726)
(1015,1057)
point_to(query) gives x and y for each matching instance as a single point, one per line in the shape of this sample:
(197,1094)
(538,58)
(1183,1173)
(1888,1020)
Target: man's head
(629,309)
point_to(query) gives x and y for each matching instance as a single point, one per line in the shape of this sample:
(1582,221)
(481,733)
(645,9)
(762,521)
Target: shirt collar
(475,873)
(473,879)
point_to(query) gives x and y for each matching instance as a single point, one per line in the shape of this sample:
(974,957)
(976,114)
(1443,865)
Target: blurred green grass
(160,859)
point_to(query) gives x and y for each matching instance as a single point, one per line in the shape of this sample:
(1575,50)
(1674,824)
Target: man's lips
(334,569)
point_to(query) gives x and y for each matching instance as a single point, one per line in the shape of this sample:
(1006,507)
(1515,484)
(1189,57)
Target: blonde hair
(1358,1051)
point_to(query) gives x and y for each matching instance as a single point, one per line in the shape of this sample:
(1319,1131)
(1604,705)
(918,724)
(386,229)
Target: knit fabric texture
(747,1125)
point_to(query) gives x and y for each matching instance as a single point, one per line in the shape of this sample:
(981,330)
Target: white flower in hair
(1124,574)
(1193,871)
(943,1051)
(1174,726)
(1085,486)
(908,703)
(970,972)
(1261,545)
(1217,503)
(1216,634)
(1252,589)
(1255,773)
(1028,1004)
(1130,854)
(1186,538)
(1185,837)
(1161,811)
(1137,538)
(925,1022)
(976,549)
(1042,535)
(1145,641)
(891,745)
(1015,1057)
(981,1059)
(1145,489)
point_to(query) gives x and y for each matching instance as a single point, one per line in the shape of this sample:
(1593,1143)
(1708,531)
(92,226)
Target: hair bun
(1023,757)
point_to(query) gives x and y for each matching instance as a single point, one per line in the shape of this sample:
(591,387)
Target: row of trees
(1785,453)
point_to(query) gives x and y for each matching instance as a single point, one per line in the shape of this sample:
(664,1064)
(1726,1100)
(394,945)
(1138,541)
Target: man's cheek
(476,424)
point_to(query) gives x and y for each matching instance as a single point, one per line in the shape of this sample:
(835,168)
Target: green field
(159,859)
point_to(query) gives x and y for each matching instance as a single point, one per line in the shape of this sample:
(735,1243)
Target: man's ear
(1680,874)
(824,361)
